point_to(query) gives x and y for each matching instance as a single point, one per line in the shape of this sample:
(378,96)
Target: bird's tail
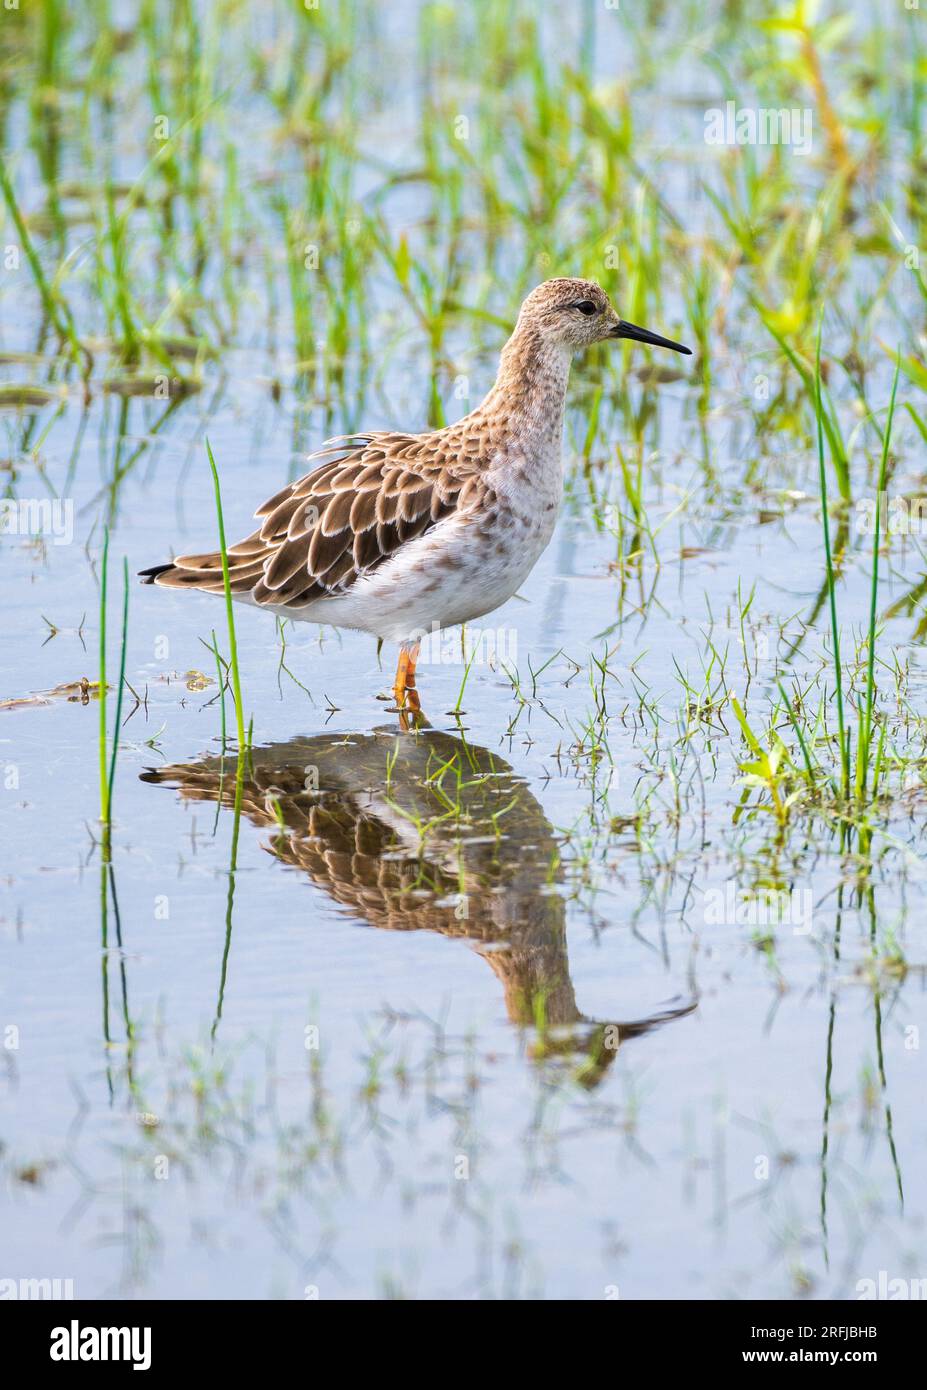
(150,576)
(188,571)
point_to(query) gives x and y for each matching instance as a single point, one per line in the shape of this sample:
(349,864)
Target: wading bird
(404,534)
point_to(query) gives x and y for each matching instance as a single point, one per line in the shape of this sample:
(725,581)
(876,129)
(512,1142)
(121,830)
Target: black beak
(644,335)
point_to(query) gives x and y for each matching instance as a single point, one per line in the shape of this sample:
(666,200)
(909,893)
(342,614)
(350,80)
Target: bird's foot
(404,691)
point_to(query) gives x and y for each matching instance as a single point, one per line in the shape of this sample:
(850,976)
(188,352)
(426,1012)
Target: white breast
(464,567)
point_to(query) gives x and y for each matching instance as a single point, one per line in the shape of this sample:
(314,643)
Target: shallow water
(483,1031)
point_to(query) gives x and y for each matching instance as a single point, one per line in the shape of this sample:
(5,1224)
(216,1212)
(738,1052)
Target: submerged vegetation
(255,226)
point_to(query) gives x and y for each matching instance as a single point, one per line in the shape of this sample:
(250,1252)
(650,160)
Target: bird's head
(574,314)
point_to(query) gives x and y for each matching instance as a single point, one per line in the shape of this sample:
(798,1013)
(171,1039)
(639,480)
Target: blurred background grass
(327,188)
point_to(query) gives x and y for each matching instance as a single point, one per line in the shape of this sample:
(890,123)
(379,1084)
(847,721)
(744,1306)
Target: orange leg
(404,689)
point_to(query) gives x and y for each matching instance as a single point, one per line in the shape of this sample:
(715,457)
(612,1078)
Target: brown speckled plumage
(367,496)
(398,534)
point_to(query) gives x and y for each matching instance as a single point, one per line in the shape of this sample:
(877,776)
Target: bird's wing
(366,496)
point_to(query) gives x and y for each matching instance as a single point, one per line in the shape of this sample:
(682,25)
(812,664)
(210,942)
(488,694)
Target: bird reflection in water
(428,832)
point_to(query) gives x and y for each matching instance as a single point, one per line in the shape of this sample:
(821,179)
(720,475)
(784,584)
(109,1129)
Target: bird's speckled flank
(399,534)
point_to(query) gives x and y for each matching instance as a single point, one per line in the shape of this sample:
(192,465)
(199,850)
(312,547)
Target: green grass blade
(233,645)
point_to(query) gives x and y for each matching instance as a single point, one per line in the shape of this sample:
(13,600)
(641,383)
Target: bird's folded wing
(367,496)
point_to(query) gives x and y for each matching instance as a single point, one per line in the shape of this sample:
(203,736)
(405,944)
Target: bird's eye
(586,306)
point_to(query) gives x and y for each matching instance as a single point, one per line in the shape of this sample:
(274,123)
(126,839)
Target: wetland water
(559,997)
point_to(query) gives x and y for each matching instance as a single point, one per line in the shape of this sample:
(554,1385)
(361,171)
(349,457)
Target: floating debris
(161,386)
(198,680)
(78,692)
(15,395)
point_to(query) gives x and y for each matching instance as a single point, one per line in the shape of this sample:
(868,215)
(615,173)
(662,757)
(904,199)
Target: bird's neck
(525,405)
